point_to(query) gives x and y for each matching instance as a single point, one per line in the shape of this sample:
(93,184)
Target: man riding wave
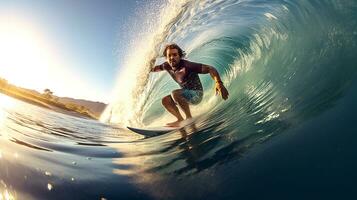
(185,73)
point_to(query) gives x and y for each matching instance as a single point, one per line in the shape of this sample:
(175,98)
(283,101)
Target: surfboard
(153,131)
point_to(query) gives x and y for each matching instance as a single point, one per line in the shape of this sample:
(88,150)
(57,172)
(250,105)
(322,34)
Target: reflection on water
(47,155)
(6,195)
(6,103)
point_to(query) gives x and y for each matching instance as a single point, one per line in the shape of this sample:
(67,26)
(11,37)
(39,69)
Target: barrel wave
(282,61)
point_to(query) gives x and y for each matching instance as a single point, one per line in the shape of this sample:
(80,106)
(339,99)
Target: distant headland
(47,99)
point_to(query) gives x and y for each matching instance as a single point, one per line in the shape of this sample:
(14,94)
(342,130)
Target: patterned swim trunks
(192,96)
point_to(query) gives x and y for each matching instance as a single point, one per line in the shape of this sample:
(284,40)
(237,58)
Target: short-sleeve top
(186,75)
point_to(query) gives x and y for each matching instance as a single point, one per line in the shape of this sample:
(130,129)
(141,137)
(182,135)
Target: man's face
(173,57)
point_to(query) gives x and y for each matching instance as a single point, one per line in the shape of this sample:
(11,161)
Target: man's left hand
(220,89)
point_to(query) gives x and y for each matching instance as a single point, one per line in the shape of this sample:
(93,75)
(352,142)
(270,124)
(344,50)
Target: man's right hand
(152,62)
(152,65)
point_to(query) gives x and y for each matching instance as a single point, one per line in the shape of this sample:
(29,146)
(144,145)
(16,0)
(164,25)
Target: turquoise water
(287,130)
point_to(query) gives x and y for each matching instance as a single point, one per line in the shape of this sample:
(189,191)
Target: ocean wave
(286,59)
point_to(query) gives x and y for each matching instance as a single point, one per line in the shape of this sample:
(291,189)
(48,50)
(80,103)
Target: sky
(71,47)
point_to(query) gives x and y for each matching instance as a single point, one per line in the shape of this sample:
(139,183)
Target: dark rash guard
(186,75)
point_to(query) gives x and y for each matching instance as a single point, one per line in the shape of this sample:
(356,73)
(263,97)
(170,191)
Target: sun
(26,58)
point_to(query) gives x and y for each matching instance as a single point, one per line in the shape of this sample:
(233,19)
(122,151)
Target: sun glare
(25,58)
(31,60)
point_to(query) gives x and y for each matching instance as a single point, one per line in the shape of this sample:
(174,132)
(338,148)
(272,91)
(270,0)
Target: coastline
(47,103)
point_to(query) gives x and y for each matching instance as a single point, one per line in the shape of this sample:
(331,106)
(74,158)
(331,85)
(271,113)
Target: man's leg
(182,102)
(171,107)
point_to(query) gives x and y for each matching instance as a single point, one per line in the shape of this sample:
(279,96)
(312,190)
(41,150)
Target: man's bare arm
(156,68)
(219,87)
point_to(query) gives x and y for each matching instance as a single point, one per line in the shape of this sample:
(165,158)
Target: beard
(174,63)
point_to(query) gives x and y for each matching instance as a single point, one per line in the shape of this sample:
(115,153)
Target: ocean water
(287,130)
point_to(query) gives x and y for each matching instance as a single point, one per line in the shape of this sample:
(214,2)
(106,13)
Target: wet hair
(174,46)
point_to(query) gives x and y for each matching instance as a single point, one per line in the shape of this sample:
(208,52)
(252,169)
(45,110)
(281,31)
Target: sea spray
(133,84)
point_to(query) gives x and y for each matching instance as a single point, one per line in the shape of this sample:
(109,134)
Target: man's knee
(167,100)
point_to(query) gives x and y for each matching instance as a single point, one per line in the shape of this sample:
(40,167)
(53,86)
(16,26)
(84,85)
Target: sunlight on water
(6,195)
(2,118)
(6,103)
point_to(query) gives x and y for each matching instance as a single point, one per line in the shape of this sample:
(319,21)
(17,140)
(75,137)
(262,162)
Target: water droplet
(72,179)
(48,173)
(74,163)
(49,186)
(89,158)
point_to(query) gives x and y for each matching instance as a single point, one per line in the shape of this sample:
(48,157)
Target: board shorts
(192,96)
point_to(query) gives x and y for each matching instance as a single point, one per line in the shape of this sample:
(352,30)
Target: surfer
(185,73)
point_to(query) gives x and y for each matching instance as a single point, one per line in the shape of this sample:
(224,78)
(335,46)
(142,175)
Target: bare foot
(174,124)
